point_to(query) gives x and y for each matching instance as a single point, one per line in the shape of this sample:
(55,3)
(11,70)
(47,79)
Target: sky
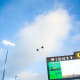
(30,24)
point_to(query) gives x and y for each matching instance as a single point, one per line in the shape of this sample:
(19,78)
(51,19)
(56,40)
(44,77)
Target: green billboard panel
(54,70)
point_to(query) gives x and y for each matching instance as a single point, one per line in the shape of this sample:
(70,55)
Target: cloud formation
(31,76)
(48,30)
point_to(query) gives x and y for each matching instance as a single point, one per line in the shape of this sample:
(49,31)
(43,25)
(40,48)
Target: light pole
(16,77)
(0,50)
(5,65)
(5,42)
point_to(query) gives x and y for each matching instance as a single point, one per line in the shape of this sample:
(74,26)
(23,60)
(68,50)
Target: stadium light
(5,42)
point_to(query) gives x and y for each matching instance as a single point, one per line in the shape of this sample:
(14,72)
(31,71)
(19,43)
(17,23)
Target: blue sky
(32,23)
(14,13)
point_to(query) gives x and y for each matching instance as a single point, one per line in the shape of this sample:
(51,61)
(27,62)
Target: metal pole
(0,51)
(5,65)
(16,77)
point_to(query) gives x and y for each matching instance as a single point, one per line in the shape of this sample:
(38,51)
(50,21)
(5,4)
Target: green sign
(54,70)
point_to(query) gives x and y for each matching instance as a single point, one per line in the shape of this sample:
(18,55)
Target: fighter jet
(41,48)
(37,49)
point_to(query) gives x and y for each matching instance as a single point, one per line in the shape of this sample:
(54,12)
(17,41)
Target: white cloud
(27,75)
(31,76)
(48,30)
